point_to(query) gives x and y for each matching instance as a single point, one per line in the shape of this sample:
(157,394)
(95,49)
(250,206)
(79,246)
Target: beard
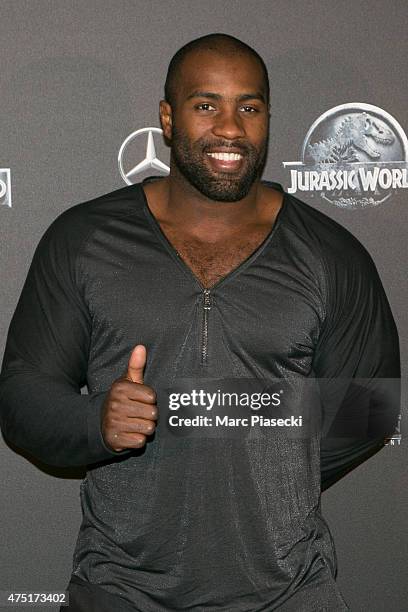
(189,157)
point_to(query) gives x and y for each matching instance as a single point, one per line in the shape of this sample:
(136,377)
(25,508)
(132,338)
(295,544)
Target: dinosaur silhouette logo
(354,155)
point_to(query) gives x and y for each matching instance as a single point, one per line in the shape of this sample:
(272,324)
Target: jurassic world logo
(354,155)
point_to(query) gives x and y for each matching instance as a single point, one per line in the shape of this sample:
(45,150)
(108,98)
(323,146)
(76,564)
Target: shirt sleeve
(44,366)
(357,363)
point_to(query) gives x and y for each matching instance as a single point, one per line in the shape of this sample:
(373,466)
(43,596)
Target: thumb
(136,364)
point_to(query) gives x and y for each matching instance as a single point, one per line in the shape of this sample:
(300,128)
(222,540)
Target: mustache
(208,145)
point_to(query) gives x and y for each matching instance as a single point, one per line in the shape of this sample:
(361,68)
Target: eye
(204,106)
(249,109)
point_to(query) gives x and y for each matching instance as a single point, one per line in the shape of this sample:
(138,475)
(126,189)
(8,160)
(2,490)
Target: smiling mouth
(222,156)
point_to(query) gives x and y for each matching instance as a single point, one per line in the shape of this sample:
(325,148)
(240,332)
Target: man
(208,274)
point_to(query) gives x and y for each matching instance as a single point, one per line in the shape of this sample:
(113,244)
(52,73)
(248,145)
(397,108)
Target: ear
(166,119)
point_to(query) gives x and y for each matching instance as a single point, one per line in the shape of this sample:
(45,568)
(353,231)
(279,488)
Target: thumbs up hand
(130,411)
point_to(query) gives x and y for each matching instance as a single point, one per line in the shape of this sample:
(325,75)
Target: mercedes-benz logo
(151,161)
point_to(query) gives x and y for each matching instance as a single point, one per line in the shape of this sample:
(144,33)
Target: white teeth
(225,156)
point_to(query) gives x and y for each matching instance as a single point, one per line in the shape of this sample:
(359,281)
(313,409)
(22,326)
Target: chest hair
(211,261)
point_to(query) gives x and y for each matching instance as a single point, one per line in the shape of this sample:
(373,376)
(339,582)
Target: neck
(185,206)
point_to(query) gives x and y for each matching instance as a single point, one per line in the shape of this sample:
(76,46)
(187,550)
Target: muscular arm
(45,362)
(358,359)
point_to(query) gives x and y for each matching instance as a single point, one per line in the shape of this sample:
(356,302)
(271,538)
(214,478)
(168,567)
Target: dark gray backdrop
(76,79)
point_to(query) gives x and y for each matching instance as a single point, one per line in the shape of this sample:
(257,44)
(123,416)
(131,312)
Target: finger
(137,425)
(136,365)
(120,423)
(141,393)
(129,440)
(149,412)
(123,390)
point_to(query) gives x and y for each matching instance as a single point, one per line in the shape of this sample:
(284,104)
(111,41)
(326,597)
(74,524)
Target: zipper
(207,303)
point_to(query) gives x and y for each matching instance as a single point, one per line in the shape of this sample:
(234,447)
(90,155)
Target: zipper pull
(207,299)
(204,333)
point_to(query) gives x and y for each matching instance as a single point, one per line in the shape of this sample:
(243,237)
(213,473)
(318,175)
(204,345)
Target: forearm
(366,417)
(52,420)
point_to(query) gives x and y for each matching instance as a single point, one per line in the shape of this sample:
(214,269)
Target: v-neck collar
(235,271)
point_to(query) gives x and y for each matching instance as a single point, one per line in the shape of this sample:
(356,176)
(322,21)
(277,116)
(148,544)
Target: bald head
(222,44)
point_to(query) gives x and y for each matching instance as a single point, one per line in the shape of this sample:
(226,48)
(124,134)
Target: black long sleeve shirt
(203,524)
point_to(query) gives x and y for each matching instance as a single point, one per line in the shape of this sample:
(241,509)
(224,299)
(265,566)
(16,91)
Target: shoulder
(334,243)
(62,244)
(331,254)
(349,274)
(72,227)
(121,202)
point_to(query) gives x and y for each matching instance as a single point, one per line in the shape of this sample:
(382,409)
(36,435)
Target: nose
(228,124)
